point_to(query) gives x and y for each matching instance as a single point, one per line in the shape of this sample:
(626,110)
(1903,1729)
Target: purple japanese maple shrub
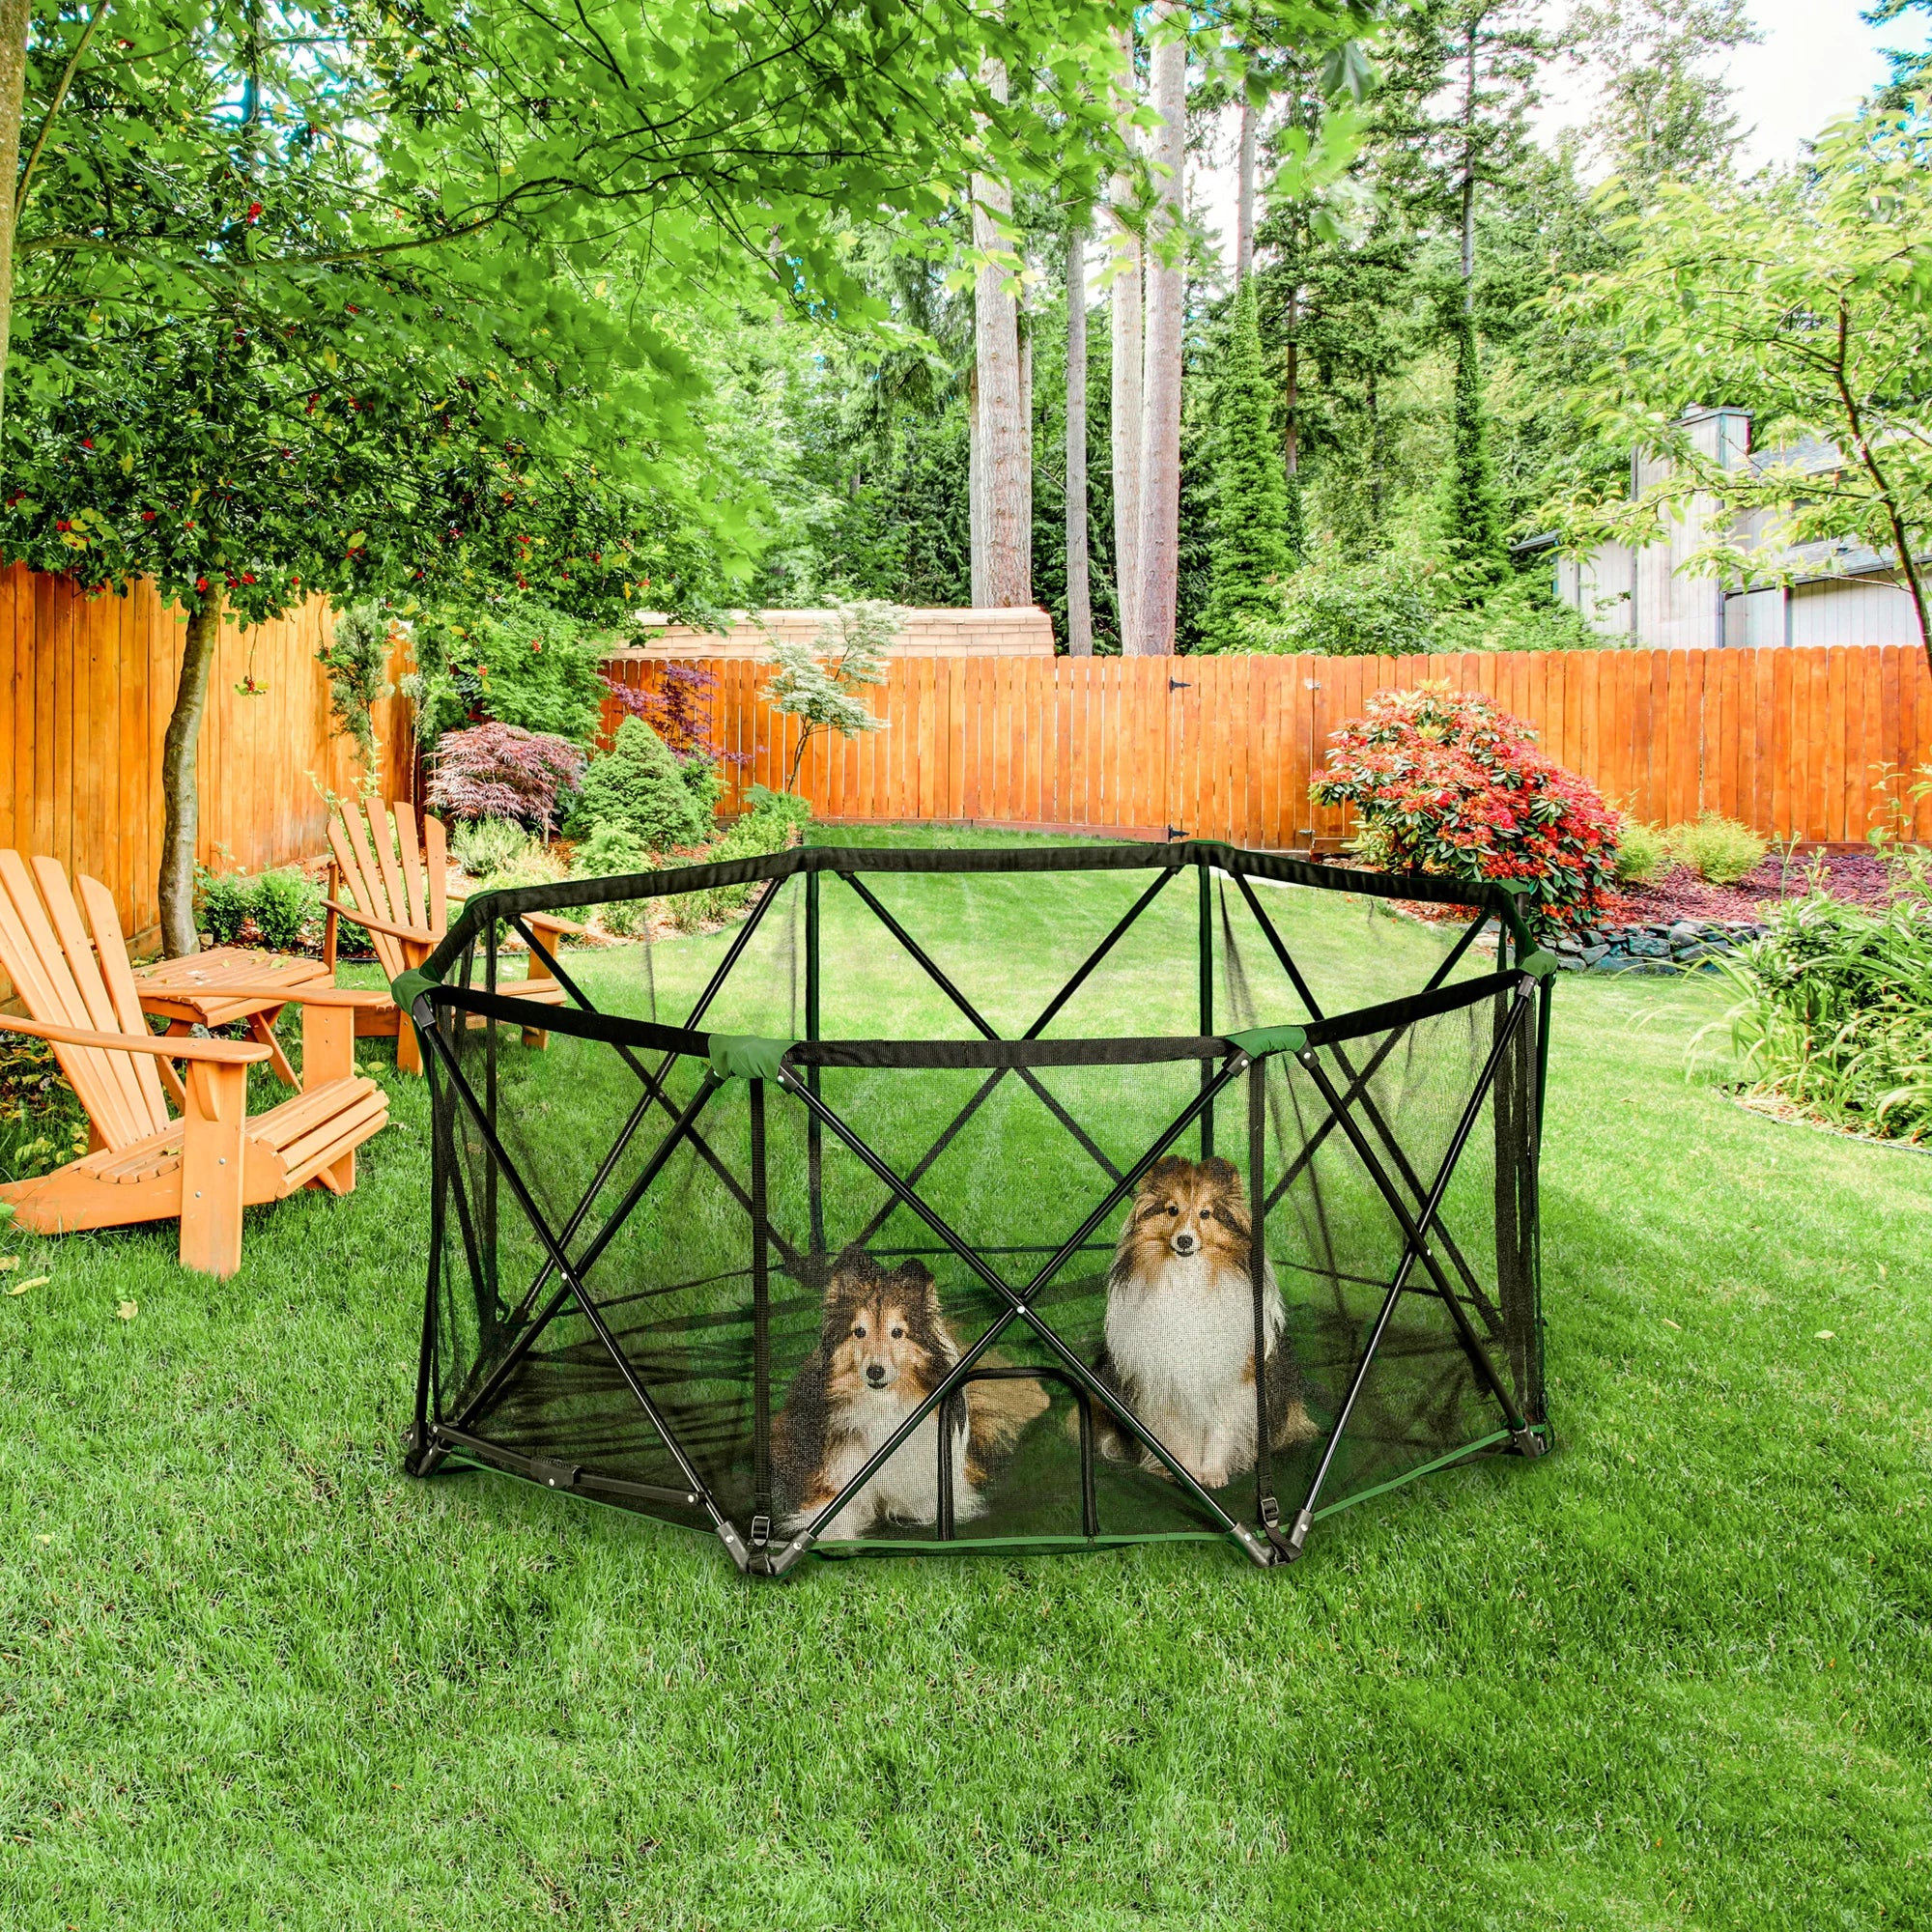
(502,771)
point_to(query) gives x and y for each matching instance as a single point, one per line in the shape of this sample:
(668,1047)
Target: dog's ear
(1224,1177)
(1168,1171)
(916,1278)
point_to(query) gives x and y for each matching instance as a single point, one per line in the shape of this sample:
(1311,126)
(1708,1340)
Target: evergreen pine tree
(1475,554)
(1250,551)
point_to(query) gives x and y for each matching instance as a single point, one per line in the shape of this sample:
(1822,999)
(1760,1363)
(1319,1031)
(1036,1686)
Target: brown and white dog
(1180,1326)
(883,1347)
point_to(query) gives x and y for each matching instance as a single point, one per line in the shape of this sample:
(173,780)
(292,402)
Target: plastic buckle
(1271,1515)
(554,1475)
(761,1531)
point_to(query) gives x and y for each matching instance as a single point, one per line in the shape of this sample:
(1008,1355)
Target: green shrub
(1718,850)
(773,821)
(703,780)
(356,660)
(1520,615)
(1643,852)
(1391,606)
(516,661)
(536,864)
(485,845)
(285,904)
(1835,1013)
(610,851)
(638,784)
(223,905)
(1379,607)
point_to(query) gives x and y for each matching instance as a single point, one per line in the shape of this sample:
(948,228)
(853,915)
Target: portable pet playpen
(961,1066)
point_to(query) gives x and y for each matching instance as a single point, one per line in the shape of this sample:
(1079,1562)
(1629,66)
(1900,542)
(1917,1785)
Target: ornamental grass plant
(1834,1006)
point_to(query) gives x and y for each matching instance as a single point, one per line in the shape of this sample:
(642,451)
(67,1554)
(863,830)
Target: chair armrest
(170,1046)
(544,921)
(373,925)
(314,994)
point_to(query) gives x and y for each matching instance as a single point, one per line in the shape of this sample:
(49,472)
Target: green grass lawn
(1676,1673)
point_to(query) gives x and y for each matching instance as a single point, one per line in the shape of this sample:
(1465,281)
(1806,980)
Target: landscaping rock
(1568,963)
(1593,953)
(1569,944)
(1644,947)
(1684,932)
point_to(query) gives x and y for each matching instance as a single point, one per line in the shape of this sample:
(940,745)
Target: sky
(1816,60)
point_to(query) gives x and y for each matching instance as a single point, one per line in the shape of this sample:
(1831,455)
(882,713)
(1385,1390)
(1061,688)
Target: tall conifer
(1252,552)
(1473,548)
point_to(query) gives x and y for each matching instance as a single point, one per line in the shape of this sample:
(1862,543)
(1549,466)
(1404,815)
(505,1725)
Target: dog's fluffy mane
(809,1425)
(1211,1196)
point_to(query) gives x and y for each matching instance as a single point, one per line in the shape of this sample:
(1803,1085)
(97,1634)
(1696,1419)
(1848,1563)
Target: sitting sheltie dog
(883,1347)
(1179,1345)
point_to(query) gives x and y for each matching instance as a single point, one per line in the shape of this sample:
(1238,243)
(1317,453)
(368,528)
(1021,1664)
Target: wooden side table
(229,964)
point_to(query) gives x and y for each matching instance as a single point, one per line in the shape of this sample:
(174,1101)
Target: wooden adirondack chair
(401,899)
(212,1162)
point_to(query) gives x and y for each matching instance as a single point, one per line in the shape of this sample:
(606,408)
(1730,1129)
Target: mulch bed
(1855,878)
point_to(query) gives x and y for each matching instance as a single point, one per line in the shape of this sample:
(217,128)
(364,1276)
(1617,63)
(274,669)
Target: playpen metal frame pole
(939,979)
(762,1331)
(815,1133)
(1412,1249)
(987,1088)
(572,1286)
(1360,1089)
(1203,952)
(1018,1306)
(1268,1511)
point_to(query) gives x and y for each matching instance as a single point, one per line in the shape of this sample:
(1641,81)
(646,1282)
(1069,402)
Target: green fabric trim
(406,987)
(745,1056)
(1408,1476)
(1258,1041)
(1539,964)
(848,1549)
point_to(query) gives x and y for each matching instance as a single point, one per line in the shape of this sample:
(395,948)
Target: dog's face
(884,1331)
(1183,1208)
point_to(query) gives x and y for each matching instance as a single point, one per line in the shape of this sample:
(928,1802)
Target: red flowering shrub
(502,771)
(1442,781)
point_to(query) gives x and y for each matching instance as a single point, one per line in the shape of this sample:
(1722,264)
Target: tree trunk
(1244,197)
(1005,518)
(1024,478)
(1375,464)
(1291,392)
(1160,431)
(1126,305)
(1469,178)
(1079,608)
(180,795)
(976,492)
(15,15)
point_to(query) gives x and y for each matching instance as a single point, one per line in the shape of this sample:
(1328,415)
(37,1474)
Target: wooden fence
(1793,741)
(86,685)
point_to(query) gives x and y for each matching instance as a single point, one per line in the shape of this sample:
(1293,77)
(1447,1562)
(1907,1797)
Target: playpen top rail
(510,903)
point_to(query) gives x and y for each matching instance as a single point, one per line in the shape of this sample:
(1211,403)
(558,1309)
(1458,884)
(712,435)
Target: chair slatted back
(394,869)
(46,952)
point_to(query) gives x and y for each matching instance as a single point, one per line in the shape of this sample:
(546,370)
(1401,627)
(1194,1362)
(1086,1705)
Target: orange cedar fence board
(1794,742)
(86,684)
